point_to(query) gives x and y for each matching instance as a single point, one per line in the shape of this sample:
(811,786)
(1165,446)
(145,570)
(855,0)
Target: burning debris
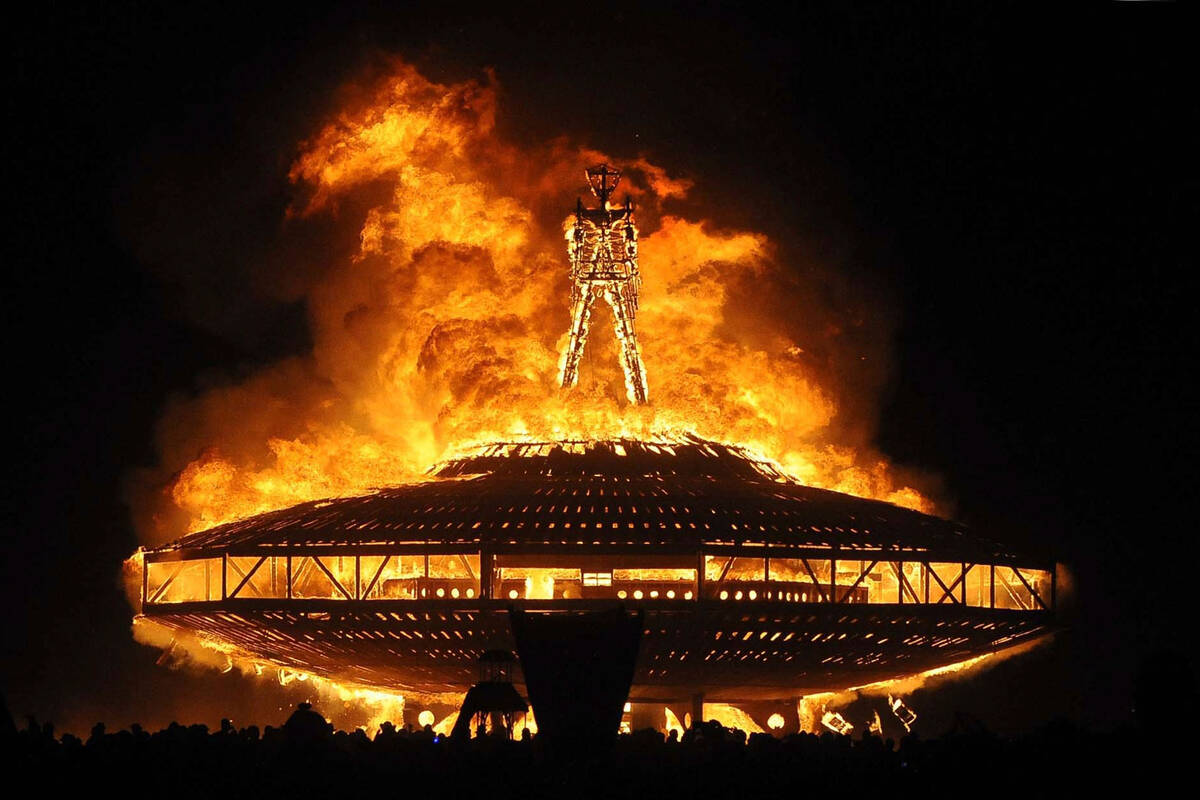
(835,722)
(903,713)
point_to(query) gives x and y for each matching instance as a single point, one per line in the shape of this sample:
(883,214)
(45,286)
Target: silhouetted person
(306,726)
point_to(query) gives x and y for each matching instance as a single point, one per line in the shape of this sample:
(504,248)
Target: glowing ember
(903,713)
(836,723)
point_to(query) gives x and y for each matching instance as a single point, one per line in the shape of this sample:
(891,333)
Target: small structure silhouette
(492,699)
(578,668)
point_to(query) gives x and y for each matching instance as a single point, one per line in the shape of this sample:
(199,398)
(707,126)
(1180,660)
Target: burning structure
(602,244)
(755,587)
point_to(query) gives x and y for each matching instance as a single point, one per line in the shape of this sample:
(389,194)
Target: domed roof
(667,494)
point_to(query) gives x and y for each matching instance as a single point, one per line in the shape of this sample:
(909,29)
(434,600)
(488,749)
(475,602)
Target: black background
(1011,182)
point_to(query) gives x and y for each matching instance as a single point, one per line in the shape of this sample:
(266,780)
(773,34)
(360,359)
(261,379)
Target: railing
(168,580)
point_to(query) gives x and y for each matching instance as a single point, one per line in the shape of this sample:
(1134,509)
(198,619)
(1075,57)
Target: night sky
(1009,186)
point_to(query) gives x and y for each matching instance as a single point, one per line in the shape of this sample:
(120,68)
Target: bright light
(637,594)
(512,594)
(775,721)
(425,718)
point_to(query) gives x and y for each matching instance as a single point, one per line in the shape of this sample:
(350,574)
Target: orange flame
(445,325)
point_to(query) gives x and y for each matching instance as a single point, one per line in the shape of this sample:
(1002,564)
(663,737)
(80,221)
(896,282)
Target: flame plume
(444,327)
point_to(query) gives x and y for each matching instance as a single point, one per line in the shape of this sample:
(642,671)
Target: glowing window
(597,579)
(183,581)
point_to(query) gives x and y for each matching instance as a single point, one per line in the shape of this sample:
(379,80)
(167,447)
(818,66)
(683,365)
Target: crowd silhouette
(306,757)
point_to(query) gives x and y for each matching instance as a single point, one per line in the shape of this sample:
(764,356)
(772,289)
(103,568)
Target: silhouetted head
(306,725)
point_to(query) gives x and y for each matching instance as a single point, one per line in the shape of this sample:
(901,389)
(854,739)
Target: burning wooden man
(602,244)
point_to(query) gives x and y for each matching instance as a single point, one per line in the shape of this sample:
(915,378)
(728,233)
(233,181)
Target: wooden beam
(170,579)
(899,567)
(246,576)
(336,583)
(816,581)
(1032,591)
(375,577)
(725,569)
(854,586)
(463,558)
(946,592)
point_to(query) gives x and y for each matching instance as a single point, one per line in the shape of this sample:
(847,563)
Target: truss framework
(357,573)
(753,586)
(728,651)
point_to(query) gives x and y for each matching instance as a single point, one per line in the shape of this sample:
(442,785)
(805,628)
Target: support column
(697,707)
(485,574)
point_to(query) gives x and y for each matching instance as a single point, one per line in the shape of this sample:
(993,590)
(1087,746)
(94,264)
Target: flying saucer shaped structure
(752,586)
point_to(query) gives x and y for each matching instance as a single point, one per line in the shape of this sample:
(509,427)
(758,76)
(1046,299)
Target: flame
(731,717)
(444,326)
(348,704)
(809,707)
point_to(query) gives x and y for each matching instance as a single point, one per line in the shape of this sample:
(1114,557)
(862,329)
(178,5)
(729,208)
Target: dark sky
(1012,183)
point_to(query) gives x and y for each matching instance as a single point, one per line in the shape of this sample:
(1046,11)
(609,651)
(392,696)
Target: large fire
(445,326)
